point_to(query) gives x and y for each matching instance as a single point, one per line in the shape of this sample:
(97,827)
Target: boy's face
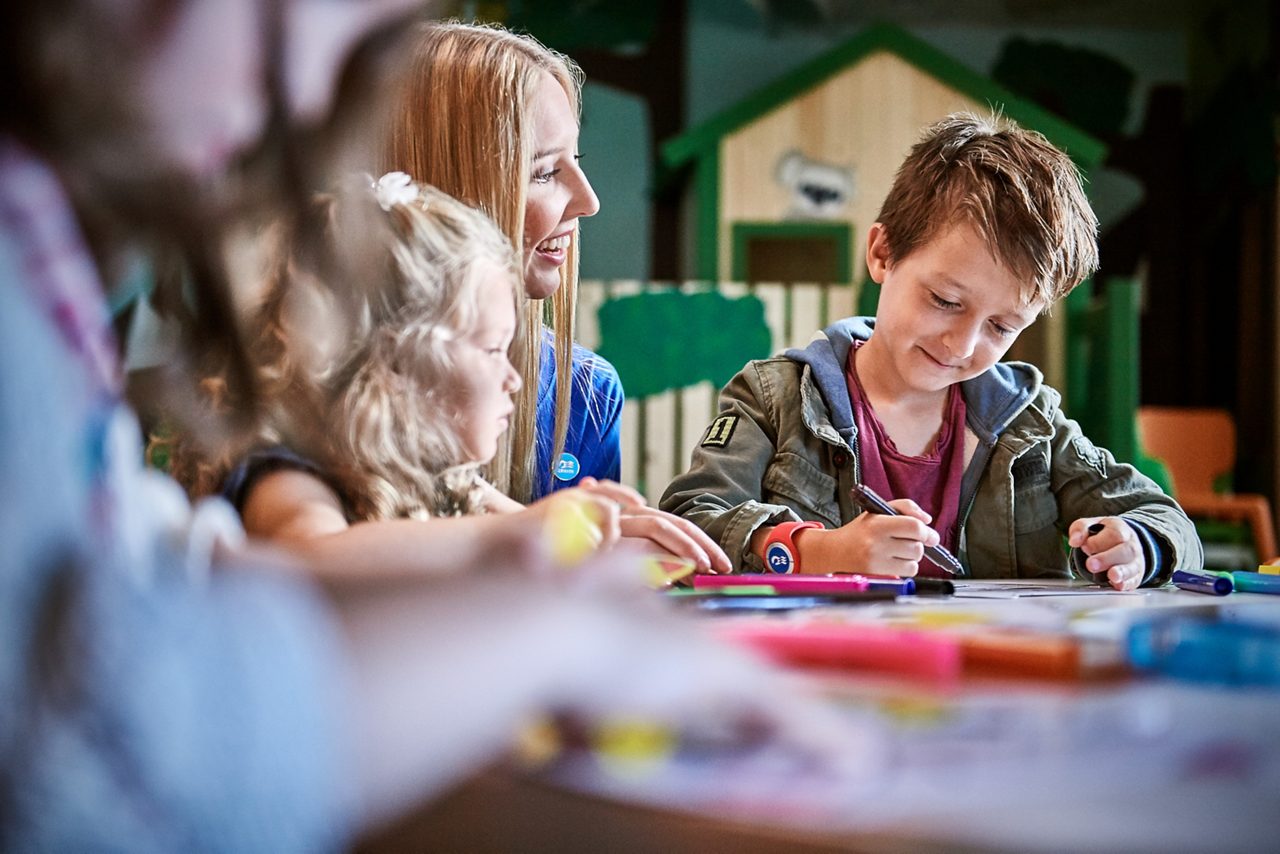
(948,311)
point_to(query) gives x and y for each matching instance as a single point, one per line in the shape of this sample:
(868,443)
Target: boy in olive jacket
(985,227)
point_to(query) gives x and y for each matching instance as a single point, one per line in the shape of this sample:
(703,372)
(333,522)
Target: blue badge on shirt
(778,558)
(568,467)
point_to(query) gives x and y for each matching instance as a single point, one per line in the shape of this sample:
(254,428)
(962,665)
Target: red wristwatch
(780,552)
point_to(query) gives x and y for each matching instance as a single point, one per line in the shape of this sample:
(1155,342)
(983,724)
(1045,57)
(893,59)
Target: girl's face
(487,377)
(559,192)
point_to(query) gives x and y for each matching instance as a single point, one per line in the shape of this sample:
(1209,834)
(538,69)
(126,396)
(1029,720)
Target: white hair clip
(395,188)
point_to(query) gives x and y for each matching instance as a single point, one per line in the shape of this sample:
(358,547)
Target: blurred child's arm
(302,514)
(508,654)
(871,543)
(288,505)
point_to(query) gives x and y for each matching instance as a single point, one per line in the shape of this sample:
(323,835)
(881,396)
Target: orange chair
(1199,446)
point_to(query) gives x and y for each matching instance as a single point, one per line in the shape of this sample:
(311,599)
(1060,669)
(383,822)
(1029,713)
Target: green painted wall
(614,144)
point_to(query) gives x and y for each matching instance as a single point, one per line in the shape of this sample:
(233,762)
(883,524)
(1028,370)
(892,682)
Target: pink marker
(928,656)
(809,584)
(785,584)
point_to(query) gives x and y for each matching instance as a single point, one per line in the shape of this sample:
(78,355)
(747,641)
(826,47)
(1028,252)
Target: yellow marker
(1268,569)
(664,570)
(573,531)
(631,748)
(916,710)
(936,618)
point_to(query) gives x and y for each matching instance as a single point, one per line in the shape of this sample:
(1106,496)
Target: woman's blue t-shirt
(593,445)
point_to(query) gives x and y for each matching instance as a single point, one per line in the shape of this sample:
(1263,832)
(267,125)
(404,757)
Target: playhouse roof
(1084,148)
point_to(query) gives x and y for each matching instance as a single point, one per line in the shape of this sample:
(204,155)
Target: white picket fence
(659,432)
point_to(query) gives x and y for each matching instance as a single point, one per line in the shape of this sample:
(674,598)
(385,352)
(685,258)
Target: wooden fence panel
(776,308)
(660,431)
(659,460)
(806,314)
(840,303)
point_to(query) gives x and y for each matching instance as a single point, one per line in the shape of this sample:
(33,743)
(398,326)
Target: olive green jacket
(785,448)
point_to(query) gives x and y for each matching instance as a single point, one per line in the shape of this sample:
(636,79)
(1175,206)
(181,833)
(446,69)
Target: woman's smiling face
(559,192)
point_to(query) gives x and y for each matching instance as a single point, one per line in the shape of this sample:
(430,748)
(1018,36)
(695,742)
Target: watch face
(778,558)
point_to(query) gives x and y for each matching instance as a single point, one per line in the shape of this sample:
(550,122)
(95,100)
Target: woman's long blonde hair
(363,378)
(461,123)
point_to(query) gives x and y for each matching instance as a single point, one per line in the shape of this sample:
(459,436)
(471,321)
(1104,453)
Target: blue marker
(1256,582)
(1201,581)
(901,586)
(1203,651)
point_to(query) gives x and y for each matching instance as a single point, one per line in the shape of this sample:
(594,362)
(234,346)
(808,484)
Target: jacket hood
(992,399)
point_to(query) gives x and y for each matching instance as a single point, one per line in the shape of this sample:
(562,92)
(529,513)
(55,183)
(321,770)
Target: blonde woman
(491,118)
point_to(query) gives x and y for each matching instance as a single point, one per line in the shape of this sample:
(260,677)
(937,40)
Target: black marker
(934,586)
(872,503)
(1098,577)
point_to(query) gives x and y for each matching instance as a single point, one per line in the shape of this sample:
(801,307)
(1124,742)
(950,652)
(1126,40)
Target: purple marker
(1201,581)
(866,499)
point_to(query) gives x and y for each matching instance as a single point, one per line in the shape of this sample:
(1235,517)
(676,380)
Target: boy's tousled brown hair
(1022,195)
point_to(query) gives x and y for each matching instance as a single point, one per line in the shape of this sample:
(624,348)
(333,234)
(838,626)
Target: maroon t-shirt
(931,480)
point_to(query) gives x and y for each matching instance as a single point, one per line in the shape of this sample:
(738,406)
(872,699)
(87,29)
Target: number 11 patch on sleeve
(720,431)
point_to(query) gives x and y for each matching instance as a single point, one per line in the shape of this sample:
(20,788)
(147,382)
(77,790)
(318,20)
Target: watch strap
(780,553)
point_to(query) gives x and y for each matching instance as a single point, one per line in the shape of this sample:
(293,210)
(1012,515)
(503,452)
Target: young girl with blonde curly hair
(385,407)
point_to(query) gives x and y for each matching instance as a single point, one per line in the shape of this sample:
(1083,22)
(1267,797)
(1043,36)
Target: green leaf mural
(668,340)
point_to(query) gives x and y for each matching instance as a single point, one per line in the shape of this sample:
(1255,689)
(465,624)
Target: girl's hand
(877,544)
(668,533)
(1113,550)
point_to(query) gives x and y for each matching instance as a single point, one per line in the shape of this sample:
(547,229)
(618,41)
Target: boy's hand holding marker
(1114,554)
(874,543)
(887,538)
(871,503)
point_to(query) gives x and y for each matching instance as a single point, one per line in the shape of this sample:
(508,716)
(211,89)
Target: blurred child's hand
(659,531)
(1112,547)
(715,696)
(884,545)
